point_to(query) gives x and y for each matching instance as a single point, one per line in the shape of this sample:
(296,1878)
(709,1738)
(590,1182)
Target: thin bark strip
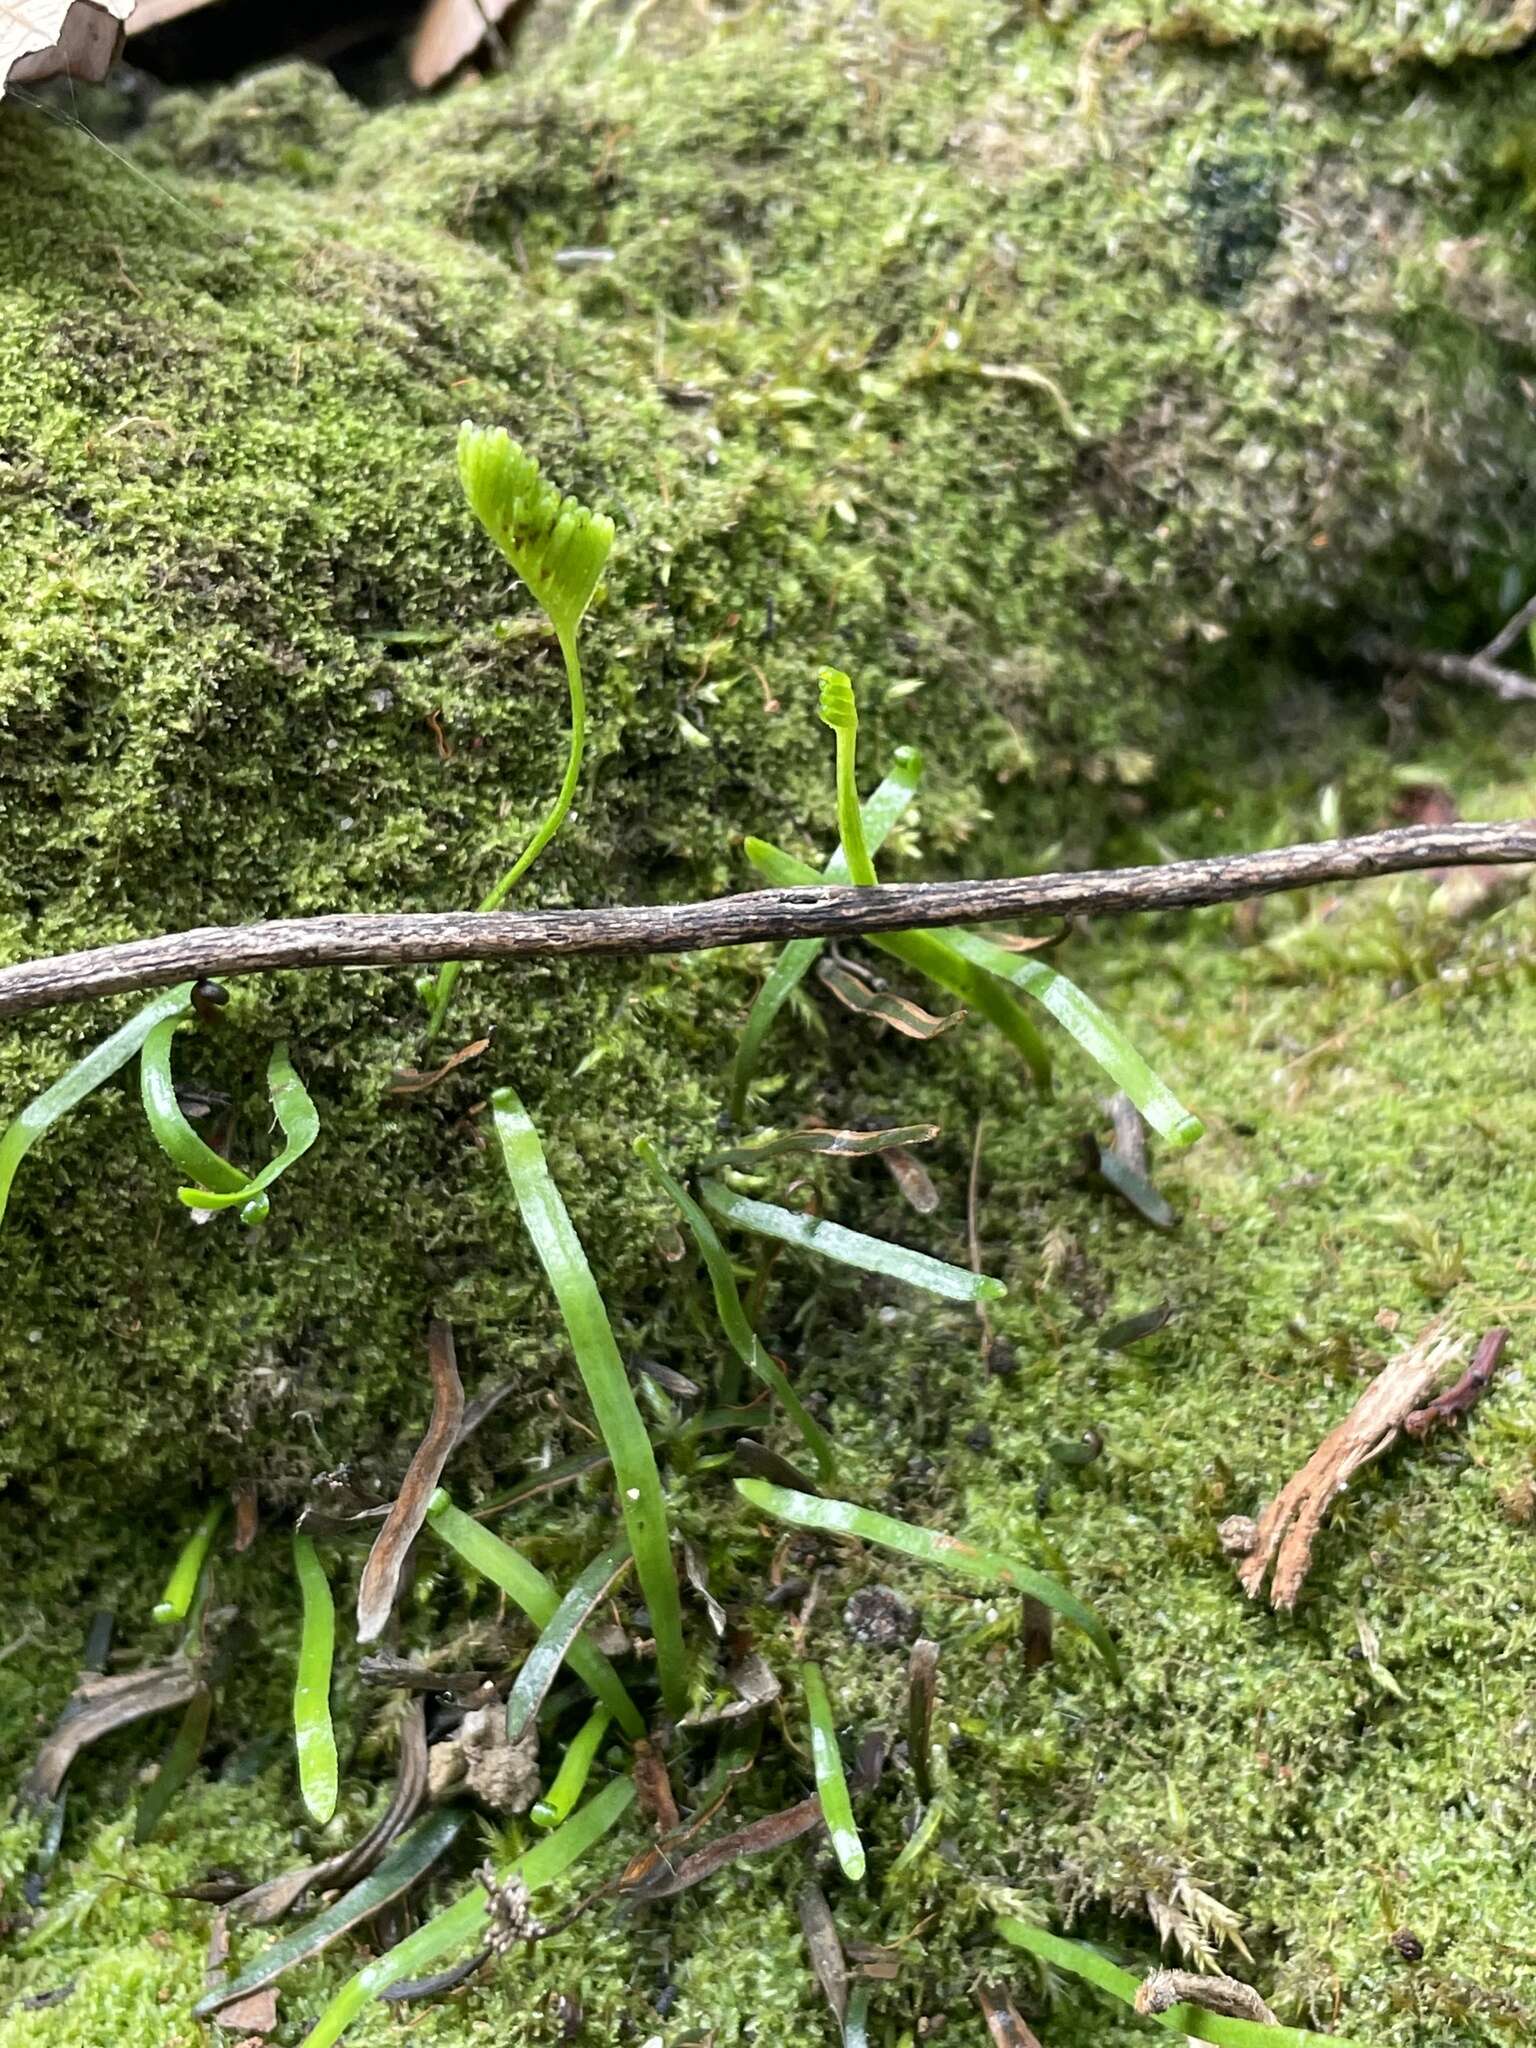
(1288,1527)
(400,939)
(773,1831)
(381,1575)
(1226,1996)
(1006,2025)
(826,1949)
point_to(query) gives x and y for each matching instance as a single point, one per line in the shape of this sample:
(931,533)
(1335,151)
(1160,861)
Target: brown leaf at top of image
(59,39)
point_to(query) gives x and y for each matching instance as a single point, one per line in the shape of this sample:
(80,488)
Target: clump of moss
(264,663)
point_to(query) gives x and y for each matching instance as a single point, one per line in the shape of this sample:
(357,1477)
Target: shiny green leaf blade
(929,1546)
(314,1736)
(175,1603)
(180,1762)
(82,1079)
(931,954)
(575,1767)
(405,1865)
(608,1389)
(744,1339)
(879,816)
(526,1586)
(559,1633)
(297,1119)
(831,1784)
(1192,2021)
(465,1920)
(174,1135)
(849,1247)
(1102,1039)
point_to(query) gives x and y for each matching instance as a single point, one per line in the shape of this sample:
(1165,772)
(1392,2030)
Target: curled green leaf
(744,1340)
(526,1586)
(174,1135)
(299,1122)
(641,1500)
(831,1784)
(928,1546)
(82,1079)
(850,1247)
(314,1736)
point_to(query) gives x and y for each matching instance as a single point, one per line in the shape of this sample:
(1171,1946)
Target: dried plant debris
(483,1759)
(100,1706)
(868,996)
(759,1838)
(1460,1399)
(826,1949)
(1164,1989)
(59,39)
(914,1180)
(386,1561)
(1286,1531)
(1006,2026)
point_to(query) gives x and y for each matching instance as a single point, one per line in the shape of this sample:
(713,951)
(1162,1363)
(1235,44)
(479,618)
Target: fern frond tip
(557,545)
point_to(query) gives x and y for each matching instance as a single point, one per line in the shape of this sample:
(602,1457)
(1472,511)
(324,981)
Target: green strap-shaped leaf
(526,1585)
(558,1635)
(744,1339)
(831,1784)
(465,1921)
(1192,2021)
(174,1135)
(175,1603)
(928,1546)
(180,1762)
(299,1122)
(314,1736)
(641,1500)
(406,1864)
(82,1079)
(850,1247)
(878,816)
(570,1781)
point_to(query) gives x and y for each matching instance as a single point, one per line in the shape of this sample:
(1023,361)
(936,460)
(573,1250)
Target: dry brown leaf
(450,32)
(59,39)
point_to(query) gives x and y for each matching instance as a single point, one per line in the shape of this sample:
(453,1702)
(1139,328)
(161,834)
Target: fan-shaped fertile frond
(556,545)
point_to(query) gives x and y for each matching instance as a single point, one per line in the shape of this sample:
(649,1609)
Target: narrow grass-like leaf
(314,1736)
(920,1841)
(928,1546)
(466,1920)
(932,955)
(405,1865)
(180,1762)
(570,1781)
(879,817)
(82,1079)
(744,1340)
(608,1389)
(297,1119)
(559,1633)
(526,1586)
(825,1144)
(831,1785)
(850,1247)
(1191,2021)
(558,548)
(174,1135)
(1103,1041)
(175,1603)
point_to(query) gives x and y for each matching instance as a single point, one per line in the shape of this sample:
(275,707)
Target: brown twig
(1510,631)
(1468,1390)
(1288,1527)
(1477,669)
(1162,1990)
(400,939)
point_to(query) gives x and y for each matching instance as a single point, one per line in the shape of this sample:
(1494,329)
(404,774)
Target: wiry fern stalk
(558,548)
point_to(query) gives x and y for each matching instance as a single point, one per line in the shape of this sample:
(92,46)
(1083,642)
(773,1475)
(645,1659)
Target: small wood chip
(1289,1526)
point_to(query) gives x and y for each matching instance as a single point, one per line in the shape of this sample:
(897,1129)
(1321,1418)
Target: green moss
(261,661)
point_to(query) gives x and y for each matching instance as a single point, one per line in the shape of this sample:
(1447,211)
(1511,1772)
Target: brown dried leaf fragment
(871,998)
(100,1706)
(914,1180)
(1456,1401)
(1288,1527)
(59,39)
(386,1561)
(773,1831)
(1227,1996)
(826,1949)
(415,1081)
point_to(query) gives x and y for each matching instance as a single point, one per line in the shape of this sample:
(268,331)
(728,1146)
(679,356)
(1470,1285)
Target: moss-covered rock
(1042,375)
